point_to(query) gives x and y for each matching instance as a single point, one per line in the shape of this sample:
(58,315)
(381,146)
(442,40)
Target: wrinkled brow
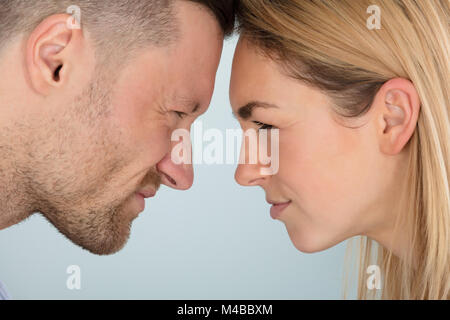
(195,105)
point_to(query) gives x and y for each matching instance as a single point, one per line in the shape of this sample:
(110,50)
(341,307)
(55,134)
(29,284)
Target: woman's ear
(46,53)
(397,106)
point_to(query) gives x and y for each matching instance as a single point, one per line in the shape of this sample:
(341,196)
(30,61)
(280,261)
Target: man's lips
(148,193)
(142,195)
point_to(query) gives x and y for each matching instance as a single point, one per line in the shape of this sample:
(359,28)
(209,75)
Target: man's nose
(177,176)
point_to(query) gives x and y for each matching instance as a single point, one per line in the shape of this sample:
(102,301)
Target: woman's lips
(277,209)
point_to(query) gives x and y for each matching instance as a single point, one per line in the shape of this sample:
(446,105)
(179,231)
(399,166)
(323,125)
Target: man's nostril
(172,181)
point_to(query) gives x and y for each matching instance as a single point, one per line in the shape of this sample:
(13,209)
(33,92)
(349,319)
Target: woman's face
(333,182)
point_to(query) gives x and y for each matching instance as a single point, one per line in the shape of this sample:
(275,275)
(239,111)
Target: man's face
(92,153)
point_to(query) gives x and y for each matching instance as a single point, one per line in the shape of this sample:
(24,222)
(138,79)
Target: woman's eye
(263,126)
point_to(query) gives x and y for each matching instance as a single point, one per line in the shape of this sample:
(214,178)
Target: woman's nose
(249,175)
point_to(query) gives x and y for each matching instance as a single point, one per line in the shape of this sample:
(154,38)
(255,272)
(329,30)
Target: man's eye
(262,126)
(180,114)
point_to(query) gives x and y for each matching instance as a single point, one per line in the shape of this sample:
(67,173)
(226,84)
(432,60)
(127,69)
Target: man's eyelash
(180,114)
(263,126)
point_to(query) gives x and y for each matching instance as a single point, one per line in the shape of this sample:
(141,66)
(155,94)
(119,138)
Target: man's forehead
(198,28)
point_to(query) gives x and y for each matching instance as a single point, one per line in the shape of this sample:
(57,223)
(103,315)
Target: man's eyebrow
(189,102)
(196,107)
(245,112)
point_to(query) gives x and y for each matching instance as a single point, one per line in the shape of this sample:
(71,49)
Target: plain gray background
(214,241)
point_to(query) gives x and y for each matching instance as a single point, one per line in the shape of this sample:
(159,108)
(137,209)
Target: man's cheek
(155,146)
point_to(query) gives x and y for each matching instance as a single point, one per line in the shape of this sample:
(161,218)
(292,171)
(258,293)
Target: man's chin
(101,231)
(97,239)
(111,244)
(108,247)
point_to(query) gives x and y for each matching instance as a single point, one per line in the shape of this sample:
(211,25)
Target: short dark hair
(110,23)
(224,11)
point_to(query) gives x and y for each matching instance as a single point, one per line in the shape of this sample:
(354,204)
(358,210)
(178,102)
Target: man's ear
(47,53)
(398,106)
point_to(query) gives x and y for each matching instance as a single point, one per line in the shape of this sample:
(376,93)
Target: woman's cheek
(298,162)
(311,168)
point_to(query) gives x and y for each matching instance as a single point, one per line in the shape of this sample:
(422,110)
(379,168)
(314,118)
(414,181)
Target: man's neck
(14,202)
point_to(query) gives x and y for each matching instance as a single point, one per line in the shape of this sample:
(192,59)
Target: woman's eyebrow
(245,112)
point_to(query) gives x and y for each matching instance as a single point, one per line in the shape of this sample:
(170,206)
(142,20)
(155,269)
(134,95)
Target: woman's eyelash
(263,126)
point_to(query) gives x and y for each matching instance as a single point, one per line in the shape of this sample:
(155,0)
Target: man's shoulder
(3,294)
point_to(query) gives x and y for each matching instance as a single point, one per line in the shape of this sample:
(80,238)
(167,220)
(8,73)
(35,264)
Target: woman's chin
(308,242)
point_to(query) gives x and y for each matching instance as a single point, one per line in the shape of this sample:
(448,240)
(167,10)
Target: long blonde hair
(328,44)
